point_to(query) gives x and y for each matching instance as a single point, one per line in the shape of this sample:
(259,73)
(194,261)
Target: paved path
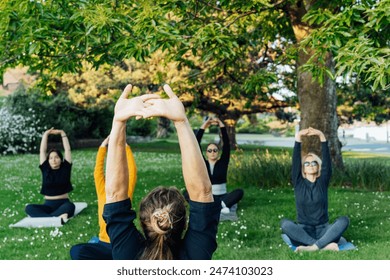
(350,144)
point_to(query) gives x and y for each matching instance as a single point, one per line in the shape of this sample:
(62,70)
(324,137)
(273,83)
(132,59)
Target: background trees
(237,54)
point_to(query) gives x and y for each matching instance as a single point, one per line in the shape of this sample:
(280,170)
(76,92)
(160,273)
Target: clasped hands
(149,105)
(54,131)
(310,132)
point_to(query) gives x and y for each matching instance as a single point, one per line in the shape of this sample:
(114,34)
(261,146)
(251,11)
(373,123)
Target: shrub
(265,170)
(363,174)
(247,127)
(26,115)
(35,112)
(18,133)
(142,127)
(261,169)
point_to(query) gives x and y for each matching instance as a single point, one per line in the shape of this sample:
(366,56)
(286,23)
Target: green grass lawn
(255,236)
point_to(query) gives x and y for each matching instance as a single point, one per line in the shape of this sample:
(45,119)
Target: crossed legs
(313,238)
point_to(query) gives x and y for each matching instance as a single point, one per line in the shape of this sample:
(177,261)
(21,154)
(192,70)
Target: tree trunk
(163,127)
(318,106)
(231,130)
(317,103)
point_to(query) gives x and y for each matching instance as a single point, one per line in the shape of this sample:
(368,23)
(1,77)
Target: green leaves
(362,57)
(55,35)
(230,48)
(358,38)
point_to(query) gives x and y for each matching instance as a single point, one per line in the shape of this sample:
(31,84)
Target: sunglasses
(313,163)
(212,150)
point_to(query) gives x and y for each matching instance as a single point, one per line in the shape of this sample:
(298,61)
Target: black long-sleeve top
(311,199)
(219,175)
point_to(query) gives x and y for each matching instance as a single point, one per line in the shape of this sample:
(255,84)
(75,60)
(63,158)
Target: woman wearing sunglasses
(217,166)
(311,177)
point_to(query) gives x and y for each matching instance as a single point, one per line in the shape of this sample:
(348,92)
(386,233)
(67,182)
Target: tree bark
(317,103)
(163,128)
(318,106)
(231,131)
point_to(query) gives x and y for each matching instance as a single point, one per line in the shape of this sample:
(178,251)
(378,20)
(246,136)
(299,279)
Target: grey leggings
(320,235)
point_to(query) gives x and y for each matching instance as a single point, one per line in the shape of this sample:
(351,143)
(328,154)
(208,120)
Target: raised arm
(225,155)
(117,173)
(296,173)
(65,143)
(326,167)
(195,175)
(203,127)
(98,173)
(316,132)
(200,132)
(132,171)
(207,123)
(303,132)
(43,147)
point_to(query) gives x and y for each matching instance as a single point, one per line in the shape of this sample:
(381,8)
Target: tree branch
(256,11)
(241,16)
(212,6)
(225,109)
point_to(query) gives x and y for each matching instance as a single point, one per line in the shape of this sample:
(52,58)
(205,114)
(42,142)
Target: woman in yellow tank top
(101,249)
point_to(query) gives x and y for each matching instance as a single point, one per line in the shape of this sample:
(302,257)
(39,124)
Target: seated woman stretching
(56,183)
(162,211)
(101,250)
(217,166)
(310,177)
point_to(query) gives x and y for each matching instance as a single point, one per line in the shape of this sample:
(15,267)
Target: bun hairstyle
(163,220)
(316,158)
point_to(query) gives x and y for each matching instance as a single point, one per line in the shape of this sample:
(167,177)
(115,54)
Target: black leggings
(91,251)
(229,198)
(51,208)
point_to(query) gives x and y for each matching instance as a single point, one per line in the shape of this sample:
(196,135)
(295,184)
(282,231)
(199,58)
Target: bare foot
(310,248)
(331,247)
(64,218)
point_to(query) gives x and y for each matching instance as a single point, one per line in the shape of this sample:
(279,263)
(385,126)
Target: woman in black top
(217,166)
(311,177)
(56,183)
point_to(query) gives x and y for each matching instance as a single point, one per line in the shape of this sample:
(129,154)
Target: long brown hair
(163,220)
